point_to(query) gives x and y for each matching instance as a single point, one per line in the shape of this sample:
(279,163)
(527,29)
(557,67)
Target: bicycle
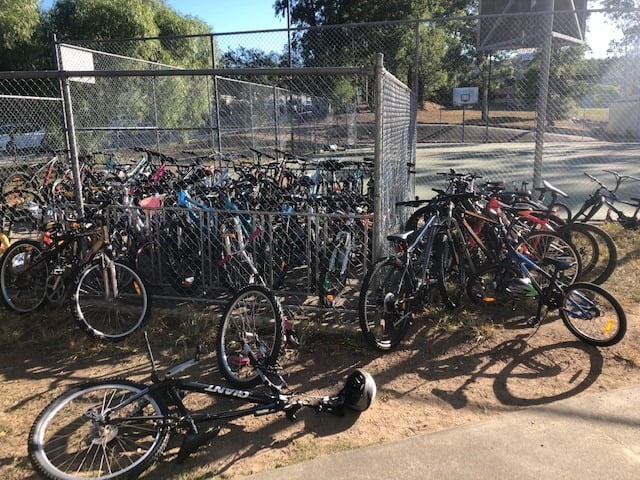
(591,313)
(397,285)
(605,196)
(117,428)
(107,298)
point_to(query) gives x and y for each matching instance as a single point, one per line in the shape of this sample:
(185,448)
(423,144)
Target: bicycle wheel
(586,246)
(252,320)
(538,245)
(334,271)
(418,218)
(23,276)
(17,180)
(490,285)
(103,314)
(452,276)
(562,211)
(593,315)
(607,260)
(384,308)
(77,437)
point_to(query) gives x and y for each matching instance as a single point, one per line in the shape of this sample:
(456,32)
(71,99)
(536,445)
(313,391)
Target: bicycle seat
(402,237)
(550,188)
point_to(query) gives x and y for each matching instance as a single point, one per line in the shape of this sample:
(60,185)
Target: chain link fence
(513,98)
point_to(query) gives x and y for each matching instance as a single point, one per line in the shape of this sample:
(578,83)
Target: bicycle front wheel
(593,315)
(110,301)
(23,276)
(80,436)
(250,326)
(384,308)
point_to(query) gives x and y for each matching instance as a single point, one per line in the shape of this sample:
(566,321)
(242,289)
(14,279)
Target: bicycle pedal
(532,322)
(193,441)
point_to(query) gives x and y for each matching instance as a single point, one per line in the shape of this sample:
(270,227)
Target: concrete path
(593,436)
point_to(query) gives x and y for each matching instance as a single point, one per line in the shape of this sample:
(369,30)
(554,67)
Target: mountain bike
(590,312)
(398,285)
(117,428)
(107,298)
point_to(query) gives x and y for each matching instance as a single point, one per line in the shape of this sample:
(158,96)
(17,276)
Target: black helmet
(359,390)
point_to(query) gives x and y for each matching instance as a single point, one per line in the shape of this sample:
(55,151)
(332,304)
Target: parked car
(21,138)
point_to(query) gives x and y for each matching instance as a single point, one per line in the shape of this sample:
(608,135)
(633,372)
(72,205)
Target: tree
(567,84)
(628,21)
(353,45)
(20,31)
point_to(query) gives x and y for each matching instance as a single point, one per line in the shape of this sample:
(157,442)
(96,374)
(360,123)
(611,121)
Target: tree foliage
(627,20)
(357,45)
(20,31)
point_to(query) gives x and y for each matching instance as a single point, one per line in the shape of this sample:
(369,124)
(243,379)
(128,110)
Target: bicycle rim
(536,246)
(593,315)
(253,320)
(104,315)
(23,277)
(71,439)
(384,307)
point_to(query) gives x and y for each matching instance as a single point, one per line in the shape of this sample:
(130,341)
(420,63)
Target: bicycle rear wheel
(605,263)
(384,308)
(452,275)
(538,245)
(75,437)
(23,276)
(103,314)
(593,315)
(252,325)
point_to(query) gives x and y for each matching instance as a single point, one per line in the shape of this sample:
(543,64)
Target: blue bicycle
(590,312)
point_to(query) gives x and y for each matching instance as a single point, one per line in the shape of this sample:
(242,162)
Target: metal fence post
(73,145)
(275,116)
(217,95)
(543,92)
(377,167)
(155,112)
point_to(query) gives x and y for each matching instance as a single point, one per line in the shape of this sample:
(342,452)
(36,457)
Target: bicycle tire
(109,319)
(489,284)
(253,317)
(607,254)
(23,291)
(332,280)
(417,218)
(593,315)
(585,244)
(236,265)
(538,245)
(66,443)
(17,180)
(451,272)
(562,211)
(384,309)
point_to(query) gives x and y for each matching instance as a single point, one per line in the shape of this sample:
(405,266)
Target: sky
(243,15)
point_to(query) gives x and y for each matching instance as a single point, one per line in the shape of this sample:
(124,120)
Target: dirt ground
(445,374)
